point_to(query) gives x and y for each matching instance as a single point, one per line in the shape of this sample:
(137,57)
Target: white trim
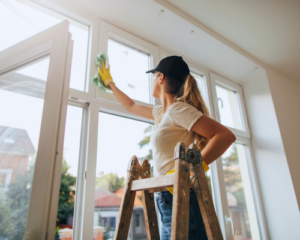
(107,106)
(221,199)
(90,181)
(93,51)
(255,188)
(51,225)
(56,41)
(217,80)
(80,181)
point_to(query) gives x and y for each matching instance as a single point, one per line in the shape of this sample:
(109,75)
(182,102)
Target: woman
(182,117)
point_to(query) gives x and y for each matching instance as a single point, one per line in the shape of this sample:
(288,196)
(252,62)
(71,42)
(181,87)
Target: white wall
(286,97)
(277,191)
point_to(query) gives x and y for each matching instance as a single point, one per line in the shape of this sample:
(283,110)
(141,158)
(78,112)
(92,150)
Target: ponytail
(187,91)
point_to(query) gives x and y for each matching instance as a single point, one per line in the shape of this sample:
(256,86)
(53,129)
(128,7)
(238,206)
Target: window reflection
(23,21)
(116,145)
(239,194)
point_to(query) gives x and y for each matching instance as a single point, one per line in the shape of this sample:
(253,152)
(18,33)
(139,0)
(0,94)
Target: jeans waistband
(162,194)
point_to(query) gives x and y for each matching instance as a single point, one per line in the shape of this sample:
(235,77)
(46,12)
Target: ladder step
(158,184)
(153,183)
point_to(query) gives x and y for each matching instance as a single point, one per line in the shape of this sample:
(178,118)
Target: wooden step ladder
(188,173)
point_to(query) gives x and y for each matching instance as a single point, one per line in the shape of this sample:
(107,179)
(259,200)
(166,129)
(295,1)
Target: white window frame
(255,190)
(217,80)
(242,137)
(108,31)
(56,42)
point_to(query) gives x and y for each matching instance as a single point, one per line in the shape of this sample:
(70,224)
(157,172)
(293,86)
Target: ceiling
(269,31)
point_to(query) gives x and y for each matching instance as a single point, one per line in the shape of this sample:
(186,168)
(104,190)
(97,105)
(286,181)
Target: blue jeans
(164,202)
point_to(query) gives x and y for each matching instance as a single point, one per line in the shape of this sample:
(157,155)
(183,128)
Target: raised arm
(129,104)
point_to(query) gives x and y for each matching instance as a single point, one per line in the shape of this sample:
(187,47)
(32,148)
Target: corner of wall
(274,177)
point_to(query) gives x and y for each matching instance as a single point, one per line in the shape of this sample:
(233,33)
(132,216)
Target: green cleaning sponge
(97,79)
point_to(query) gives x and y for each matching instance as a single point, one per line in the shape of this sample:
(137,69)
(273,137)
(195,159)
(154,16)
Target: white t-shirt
(174,127)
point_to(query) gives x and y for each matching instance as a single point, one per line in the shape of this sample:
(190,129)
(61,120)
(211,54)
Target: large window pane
(19,22)
(239,194)
(228,108)
(67,194)
(118,140)
(128,69)
(21,107)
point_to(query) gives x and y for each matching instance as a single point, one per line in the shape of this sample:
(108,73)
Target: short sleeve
(184,115)
(156,111)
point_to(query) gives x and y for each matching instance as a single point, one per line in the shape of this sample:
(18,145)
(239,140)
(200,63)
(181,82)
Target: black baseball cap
(172,66)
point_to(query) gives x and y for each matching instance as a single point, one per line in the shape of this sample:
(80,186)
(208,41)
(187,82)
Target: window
(128,69)
(28,20)
(69,170)
(228,109)
(238,197)
(239,193)
(3,180)
(20,98)
(23,91)
(229,105)
(129,58)
(202,87)
(137,220)
(119,139)
(108,222)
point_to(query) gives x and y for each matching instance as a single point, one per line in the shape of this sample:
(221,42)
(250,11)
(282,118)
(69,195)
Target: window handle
(220,99)
(228,219)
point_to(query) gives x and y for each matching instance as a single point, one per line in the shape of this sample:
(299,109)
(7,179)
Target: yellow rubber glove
(205,168)
(105,74)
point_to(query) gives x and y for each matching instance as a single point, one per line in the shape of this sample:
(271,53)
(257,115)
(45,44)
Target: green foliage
(107,227)
(110,181)
(56,231)
(145,142)
(106,232)
(209,183)
(7,224)
(14,207)
(66,200)
(233,177)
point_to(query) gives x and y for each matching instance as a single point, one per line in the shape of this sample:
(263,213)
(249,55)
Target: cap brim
(151,71)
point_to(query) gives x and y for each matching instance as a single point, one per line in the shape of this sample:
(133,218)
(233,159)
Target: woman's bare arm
(130,105)
(220,138)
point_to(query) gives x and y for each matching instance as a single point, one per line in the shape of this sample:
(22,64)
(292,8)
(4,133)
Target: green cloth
(97,79)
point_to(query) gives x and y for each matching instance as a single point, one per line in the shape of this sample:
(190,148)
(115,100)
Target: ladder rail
(139,179)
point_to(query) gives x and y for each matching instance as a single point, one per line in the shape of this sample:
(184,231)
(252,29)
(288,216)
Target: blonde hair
(187,91)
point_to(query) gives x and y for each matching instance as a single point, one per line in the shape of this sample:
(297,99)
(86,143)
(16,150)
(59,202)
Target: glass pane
(116,145)
(208,178)
(67,194)
(228,108)
(239,194)
(128,69)
(21,107)
(19,21)
(202,87)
